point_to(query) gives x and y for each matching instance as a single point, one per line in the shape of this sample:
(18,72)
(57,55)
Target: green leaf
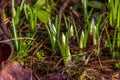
(117,65)
(40,2)
(43,16)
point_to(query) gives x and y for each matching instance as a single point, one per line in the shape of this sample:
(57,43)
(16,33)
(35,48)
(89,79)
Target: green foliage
(83,39)
(43,10)
(54,35)
(64,48)
(114,42)
(110,44)
(117,65)
(114,20)
(53,30)
(43,15)
(15,20)
(40,2)
(31,16)
(38,9)
(114,10)
(76,32)
(95,25)
(85,2)
(40,55)
(22,44)
(64,44)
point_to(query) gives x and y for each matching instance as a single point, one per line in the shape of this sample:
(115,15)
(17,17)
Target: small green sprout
(93,32)
(65,49)
(82,37)
(71,31)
